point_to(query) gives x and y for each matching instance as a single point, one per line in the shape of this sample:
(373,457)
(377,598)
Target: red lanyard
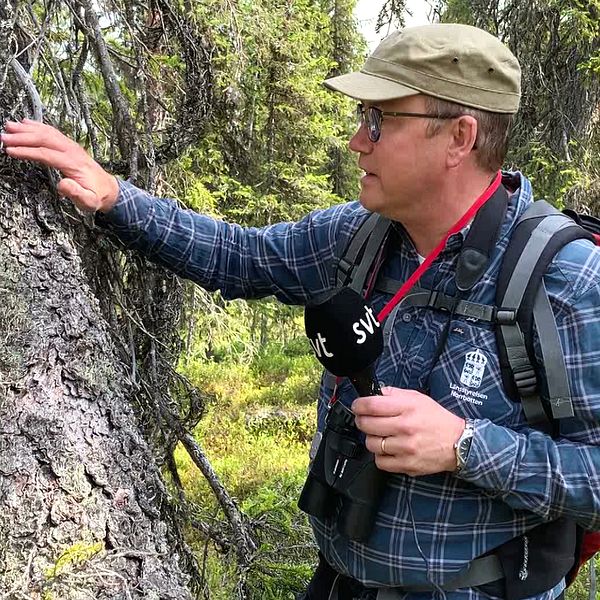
(462,222)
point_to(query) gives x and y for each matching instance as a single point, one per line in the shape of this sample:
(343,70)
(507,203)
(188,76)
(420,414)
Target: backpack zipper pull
(524,573)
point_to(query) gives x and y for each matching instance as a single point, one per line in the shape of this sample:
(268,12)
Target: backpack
(521,301)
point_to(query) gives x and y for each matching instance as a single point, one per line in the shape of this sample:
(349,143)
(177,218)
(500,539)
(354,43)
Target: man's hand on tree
(85,182)
(408,432)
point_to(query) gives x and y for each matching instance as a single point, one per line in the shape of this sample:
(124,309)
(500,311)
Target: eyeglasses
(372,117)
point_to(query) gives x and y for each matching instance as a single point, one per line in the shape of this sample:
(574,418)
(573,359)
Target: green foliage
(286,558)
(278,578)
(290,372)
(264,410)
(555,179)
(221,331)
(268,156)
(256,435)
(580,588)
(245,458)
(301,388)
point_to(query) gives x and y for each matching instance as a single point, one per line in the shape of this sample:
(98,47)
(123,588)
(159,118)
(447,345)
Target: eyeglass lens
(371,117)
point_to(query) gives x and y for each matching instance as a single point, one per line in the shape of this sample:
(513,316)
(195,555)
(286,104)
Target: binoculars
(343,479)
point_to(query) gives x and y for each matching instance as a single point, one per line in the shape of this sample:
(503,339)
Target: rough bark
(84,511)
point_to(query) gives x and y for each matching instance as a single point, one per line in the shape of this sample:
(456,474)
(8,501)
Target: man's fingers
(373,444)
(36,139)
(85,183)
(380,426)
(33,134)
(52,158)
(83,198)
(16,126)
(378,406)
(27,125)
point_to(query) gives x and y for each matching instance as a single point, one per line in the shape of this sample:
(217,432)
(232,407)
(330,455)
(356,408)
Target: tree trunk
(85,513)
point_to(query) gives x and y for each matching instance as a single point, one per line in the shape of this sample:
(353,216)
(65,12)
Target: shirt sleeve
(530,470)
(293,261)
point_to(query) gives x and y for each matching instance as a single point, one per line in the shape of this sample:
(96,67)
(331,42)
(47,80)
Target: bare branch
(32,93)
(128,138)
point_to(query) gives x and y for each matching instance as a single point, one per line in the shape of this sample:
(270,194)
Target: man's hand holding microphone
(417,433)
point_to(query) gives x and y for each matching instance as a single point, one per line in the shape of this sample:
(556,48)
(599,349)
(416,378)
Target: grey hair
(492,130)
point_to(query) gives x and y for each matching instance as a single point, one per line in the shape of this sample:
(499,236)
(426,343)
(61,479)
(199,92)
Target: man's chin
(370,202)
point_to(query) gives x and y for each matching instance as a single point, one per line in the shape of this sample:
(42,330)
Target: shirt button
(406,317)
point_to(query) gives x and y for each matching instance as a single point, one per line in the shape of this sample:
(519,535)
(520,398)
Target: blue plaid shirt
(428,528)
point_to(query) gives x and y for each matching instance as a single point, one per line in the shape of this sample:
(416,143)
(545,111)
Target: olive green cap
(453,62)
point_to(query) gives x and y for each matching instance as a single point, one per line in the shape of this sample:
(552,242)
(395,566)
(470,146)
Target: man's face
(404,167)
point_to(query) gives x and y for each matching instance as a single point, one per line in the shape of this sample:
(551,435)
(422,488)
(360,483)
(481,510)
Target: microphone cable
(428,569)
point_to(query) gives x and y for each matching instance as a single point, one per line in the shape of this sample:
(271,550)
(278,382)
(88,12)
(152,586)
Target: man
(436,105)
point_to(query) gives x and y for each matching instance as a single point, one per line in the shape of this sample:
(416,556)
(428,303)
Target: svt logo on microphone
(369,324)
(318,346)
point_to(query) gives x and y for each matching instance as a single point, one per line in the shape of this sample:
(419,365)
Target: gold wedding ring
(383,452)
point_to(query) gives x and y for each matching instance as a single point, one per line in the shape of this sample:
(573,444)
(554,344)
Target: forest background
(220,104)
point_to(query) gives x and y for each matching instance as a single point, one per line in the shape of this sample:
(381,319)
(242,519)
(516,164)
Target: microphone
(346,338)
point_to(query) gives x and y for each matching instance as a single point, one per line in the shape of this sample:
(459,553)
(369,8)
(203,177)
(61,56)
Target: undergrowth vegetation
(257,433)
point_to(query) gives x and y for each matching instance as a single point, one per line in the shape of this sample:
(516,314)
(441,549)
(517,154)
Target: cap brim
(368,87)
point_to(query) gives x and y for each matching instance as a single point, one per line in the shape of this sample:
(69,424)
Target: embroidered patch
(473,369)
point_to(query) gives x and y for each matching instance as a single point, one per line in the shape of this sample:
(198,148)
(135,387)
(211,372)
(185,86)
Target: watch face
(464,447)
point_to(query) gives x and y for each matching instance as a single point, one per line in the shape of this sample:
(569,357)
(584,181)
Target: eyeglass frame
(361,113)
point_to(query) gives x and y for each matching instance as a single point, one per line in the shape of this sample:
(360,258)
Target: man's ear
(462,139)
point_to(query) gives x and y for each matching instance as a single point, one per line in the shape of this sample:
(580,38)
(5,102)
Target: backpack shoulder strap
(358,258)
(557,381)
(522,299)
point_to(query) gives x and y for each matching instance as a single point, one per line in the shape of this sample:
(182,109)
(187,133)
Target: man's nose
(360,141)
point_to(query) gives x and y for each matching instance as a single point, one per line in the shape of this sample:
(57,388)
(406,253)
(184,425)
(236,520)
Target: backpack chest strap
(436,300)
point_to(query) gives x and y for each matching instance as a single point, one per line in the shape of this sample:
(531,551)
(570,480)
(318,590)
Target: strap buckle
(345,266)
(441,301)
(506,316)
(525,380)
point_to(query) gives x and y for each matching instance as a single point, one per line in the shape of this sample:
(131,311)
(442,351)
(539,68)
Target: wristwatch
(463,444)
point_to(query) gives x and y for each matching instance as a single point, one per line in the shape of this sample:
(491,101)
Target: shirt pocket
(467,380)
